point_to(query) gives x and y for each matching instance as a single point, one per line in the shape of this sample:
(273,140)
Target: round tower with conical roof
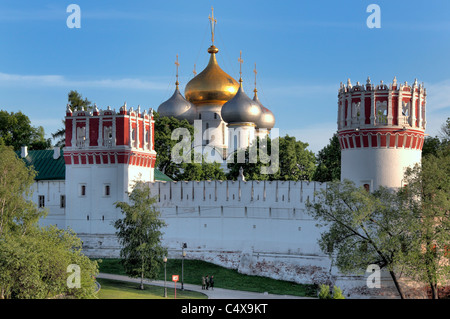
(381,131)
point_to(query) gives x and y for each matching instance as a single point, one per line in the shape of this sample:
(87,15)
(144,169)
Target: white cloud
(317,136)
(303,90)
(438,95)
(16,80)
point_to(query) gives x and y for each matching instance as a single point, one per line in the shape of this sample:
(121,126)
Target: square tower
(106,151)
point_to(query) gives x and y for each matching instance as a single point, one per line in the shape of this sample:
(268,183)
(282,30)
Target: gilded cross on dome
(213,23)
(240,66)
(256,72)
(177,64)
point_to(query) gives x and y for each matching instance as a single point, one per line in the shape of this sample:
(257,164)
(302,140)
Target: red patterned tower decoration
(381,131)
(106,152)
(107,137)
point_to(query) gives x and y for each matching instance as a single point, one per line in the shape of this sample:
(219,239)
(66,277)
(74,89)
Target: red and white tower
(381,131)
(105,152)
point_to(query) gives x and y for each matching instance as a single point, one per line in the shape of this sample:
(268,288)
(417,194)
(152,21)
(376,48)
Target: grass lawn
(223,277)
(114,289)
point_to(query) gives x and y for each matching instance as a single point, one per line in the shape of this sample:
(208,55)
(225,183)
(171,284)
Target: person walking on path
(207,282)
(203,283)
(211,282)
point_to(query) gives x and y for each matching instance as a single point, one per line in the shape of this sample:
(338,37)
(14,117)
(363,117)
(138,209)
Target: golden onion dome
(212,85)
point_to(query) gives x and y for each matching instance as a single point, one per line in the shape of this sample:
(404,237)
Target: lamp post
(165,276)
(183,253)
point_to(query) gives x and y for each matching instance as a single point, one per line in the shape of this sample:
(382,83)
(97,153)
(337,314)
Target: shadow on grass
(115,289)
(223,277)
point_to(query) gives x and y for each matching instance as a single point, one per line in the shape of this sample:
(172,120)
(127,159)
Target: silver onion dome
(178,107)
(267,119)
(241,108)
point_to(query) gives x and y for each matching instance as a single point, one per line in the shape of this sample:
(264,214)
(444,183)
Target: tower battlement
(381,130)
(382,115)
(110,137)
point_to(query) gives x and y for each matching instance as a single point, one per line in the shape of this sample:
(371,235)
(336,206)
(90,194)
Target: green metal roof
(48,168)
(160,176)
(45,165)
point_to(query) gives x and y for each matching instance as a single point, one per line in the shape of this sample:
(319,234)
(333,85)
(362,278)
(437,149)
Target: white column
(400,117)
(362,110)
(372,108)
(420,109)
(413,108)
(137,129)
(86,142)
(389,108)
(100,132)
(74,132)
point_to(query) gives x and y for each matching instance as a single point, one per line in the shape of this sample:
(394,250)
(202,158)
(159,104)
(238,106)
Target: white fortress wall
(52,190)
(244,225)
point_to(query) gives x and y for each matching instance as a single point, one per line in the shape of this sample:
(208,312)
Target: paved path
(217,293)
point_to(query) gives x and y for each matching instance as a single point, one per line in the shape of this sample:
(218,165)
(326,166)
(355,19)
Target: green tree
(296,162)
(16,130)
(34,260)
(329,162)
(35,265)
(252,166)
(432,145)
(164,126)
(75,102)
(325,293)
(201,171)
(139,233)
(17,211)
(427,195)
(293,160)
(362,228)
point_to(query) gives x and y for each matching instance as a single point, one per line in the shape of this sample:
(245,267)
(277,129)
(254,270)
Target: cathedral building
(230,119)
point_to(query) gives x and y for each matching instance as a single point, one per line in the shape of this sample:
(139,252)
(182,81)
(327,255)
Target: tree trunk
(397,285)
(142,280)
(434,291)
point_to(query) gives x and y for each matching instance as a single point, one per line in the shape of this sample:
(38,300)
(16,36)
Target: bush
(325,293)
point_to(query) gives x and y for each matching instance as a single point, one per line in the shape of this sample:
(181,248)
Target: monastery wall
(256,227)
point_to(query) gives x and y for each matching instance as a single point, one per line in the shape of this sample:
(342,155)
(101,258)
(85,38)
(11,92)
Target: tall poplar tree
(139,233)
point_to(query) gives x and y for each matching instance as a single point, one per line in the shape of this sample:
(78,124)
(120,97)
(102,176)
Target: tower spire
(213,24)
(193,71)
(177,64)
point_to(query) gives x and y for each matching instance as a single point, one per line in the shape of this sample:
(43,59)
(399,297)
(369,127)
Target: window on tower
(81,136)
(107,190)
(41,201)
(108,136)
(62,201)
(82,190)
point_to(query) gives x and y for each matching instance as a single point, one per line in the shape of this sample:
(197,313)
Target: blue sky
(125,51)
